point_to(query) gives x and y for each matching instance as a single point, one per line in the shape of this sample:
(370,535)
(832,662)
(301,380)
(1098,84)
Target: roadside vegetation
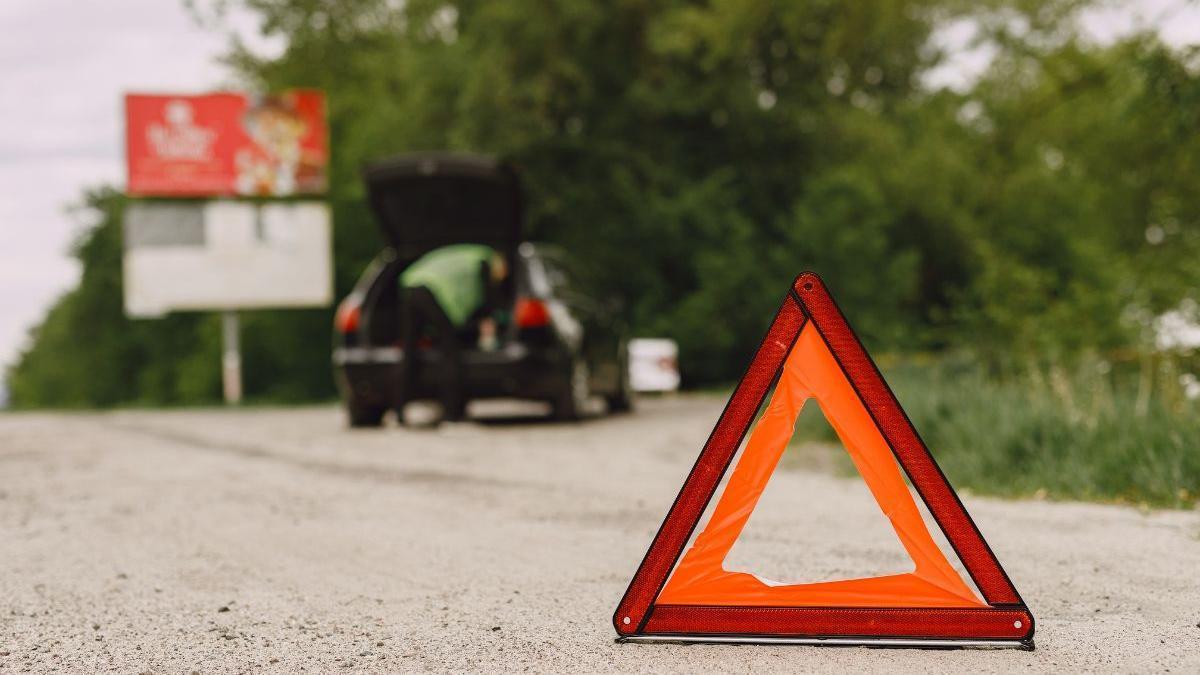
(1126,435)
(1025,230)
(1081,434)
(1123,435)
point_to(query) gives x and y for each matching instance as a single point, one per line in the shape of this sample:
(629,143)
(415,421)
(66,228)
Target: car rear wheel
(622,400)
(364,415)
(572,401)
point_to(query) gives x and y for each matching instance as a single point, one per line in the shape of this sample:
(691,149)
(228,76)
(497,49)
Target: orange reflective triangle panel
(811,354)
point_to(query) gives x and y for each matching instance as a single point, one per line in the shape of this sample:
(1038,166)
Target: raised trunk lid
(426,200)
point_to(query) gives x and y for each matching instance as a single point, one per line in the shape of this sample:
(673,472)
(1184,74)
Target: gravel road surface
(276,540)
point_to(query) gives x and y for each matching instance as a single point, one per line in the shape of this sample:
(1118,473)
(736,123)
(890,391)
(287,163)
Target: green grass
(1090,434)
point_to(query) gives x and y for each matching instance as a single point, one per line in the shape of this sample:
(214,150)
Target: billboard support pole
(231,358)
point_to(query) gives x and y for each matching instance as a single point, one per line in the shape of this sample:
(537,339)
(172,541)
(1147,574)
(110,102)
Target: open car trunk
(426,200)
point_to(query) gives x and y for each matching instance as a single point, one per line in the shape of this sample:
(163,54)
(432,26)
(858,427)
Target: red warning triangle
(810,353)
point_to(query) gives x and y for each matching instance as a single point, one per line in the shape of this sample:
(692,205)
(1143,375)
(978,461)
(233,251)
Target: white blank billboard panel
(226,255)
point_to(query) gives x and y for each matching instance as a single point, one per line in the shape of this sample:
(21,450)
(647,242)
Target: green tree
(696,156)
(1083,210)
(673,142)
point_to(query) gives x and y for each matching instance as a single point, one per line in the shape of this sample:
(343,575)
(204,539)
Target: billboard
(225,144)
(226,255)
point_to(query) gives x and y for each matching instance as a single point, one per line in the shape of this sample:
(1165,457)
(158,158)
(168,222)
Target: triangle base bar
(975,624)
(915,643)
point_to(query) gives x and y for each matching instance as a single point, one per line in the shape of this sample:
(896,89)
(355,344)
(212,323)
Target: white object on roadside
(653,364)
(1179,328)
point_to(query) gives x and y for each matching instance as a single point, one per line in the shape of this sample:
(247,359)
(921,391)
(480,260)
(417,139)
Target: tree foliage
(696,156)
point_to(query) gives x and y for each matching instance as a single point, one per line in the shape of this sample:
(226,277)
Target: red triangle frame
(1006,621)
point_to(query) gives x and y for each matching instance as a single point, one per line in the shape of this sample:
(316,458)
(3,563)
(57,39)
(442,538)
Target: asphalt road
(277,540)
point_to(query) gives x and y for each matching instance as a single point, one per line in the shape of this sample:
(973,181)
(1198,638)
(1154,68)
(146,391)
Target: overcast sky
(65,63)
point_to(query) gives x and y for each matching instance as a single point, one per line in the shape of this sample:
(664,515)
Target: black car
(558,345)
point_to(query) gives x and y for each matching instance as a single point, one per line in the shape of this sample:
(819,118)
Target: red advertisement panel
(226,143)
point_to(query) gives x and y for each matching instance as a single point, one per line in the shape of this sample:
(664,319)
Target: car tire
(572,401)
(623,400)
(361,415)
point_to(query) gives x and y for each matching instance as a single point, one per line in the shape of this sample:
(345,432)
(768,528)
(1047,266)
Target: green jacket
(454,275)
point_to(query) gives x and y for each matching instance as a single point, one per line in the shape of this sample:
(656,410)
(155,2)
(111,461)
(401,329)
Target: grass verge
(1088,434)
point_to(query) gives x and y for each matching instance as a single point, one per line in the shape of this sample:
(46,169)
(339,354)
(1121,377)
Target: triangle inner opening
(785,521)
(703,577)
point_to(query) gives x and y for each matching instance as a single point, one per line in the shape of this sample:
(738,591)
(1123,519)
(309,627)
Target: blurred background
(1002,195)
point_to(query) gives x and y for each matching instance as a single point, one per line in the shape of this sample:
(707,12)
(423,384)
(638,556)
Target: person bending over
(444,294)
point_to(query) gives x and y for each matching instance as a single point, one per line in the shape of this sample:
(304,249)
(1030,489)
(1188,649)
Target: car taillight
(531,313)
(347,317)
